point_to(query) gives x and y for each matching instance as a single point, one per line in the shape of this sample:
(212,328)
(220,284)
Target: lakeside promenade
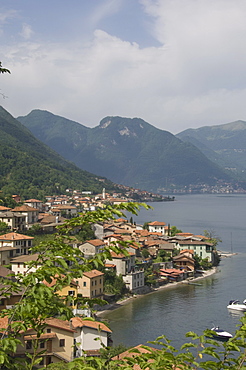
(120,303)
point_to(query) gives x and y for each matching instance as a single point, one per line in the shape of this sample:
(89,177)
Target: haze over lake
(177,310)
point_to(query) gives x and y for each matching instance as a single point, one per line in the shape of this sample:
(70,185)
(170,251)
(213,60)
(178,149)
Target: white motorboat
(236,305)
(221,334)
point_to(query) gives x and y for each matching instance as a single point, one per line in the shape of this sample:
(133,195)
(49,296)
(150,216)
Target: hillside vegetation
(223,144)
(127,151)
(33,170)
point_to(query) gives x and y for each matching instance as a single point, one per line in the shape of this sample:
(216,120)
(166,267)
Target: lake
(177,310)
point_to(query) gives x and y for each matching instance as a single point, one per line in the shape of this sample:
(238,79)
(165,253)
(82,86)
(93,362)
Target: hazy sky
(176,64)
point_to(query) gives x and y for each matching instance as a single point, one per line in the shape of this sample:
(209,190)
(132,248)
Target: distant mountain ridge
(223,144)
(31,169)
(126,151)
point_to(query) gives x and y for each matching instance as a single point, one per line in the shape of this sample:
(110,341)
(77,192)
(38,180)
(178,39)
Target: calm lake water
(177,310)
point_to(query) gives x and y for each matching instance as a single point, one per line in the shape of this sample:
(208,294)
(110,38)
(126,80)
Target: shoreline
(118,304)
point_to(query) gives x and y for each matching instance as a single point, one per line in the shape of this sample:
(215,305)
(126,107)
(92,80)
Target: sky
(176,64)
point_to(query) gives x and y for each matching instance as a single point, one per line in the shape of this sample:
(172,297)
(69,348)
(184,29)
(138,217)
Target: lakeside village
(158,255)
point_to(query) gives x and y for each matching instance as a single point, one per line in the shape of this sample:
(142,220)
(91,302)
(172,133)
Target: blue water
(174,311)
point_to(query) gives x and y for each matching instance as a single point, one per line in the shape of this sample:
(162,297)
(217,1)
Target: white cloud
(197,77)
(26,31)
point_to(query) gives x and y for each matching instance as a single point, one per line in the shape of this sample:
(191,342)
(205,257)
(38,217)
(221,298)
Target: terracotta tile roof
(58,323)
(185,234)
(139,348)
(109,265)
(95,242)
(15,236)
(25,258)
(4,322)
(156,223)
(4,272)
(24,208)
(78,322)
(2,208)
(187,250)
(42,336)
(93,273)
(32,201)
(120,255)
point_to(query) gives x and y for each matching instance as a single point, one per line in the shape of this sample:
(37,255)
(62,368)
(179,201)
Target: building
(90,336)
(13,245)
(91,284)
(157,227)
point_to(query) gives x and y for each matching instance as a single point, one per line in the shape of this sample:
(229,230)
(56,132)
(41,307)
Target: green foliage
(40,302)
(3,70)
(167,158)
(174,230)
(212,237)
(145,253)
(114,284)
(3,228)
(32,170)
(86,233)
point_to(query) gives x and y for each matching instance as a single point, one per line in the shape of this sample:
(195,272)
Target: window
(62,342)
(48,330)
(95,282)
(100,281)
(71,292)
(29,344)
(18,250)
(84,283)
(42,344)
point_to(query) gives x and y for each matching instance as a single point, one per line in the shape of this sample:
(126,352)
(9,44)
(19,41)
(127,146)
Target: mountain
(127,151)
(223,144)
(31,169)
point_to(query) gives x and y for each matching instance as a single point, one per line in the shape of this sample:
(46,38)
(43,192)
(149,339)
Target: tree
(212,237)
(174,230)
(61,263)
(3,228)
(3,70)
(59,259)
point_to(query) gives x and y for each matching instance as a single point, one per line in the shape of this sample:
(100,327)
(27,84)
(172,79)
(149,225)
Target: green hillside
(223,144)
(33,170)
(127,151)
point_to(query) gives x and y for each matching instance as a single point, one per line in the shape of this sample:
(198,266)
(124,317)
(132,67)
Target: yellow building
(70,290)
(91,284)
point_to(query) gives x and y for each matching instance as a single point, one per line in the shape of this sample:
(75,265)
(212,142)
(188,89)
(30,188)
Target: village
(156,256)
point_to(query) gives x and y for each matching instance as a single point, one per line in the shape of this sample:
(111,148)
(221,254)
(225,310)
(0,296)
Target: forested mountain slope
(223,144)
(127,151)
(32,169)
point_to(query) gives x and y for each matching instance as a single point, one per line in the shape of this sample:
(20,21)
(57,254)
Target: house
(157,226)
(124,264)
(35,203)
(134,280)
(57,342)
(86,335)
(185,260)
(135,352)
(91,284)
(173,274)
(30,213)
(7,300)
(70,290)
(92,247)
(66,210)
(18,264)
(15,221)
(13,245)
(4,209)
(201,249)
